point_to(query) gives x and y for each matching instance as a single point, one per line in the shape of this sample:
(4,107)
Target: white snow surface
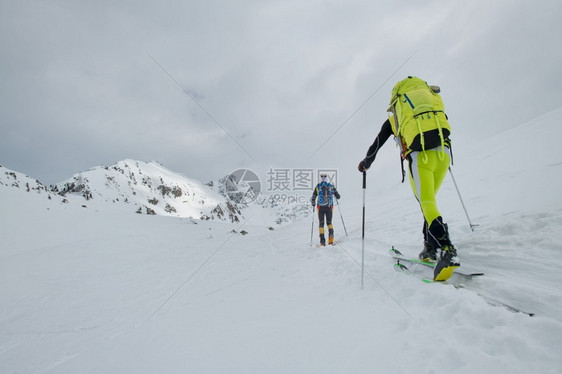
(109,291)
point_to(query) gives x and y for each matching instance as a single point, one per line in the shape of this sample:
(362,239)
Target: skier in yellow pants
(419,124)
(427,169)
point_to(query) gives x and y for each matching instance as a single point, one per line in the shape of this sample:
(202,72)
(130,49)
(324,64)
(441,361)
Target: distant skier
(421,129)
(325,192)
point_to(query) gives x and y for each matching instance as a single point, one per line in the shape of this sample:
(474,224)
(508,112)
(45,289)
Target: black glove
(312,201)
(362,166)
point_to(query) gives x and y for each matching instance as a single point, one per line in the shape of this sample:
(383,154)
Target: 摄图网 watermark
(284,185)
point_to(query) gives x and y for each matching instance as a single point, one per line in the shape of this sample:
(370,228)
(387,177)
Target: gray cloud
(79,88)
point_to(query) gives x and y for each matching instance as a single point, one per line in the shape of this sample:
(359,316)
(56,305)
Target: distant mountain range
(150,188)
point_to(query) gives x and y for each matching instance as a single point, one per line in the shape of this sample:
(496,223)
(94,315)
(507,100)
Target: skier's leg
(425,179)
(329,215)
(321,216)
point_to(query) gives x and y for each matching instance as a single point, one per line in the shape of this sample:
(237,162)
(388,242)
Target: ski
(400,267)
(398,256)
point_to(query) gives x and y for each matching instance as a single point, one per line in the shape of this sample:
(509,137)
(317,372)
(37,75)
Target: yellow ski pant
(427,171)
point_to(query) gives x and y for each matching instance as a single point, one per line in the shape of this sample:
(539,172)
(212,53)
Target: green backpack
(417,116)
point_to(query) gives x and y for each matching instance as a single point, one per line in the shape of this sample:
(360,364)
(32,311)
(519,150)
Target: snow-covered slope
(17,182)
(101,291)
(148,188)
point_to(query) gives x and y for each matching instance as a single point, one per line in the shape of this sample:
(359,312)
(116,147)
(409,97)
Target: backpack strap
(403,152)
(442,153)
(422,140)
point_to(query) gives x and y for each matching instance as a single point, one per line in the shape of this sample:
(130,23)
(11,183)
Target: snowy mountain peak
(148,188)
(21,182)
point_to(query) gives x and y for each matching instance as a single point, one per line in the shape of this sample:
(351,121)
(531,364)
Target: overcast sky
(270,84)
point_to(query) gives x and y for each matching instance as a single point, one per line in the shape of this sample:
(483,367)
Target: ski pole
(462,202)
(312,228)
(363,232)
(342,222)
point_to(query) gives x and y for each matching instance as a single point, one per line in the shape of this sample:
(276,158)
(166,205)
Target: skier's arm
(382,137)
(336,193)
(314,194)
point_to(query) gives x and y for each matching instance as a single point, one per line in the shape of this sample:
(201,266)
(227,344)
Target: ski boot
(322,240)
(429,254)
(331,240)
(447,263)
